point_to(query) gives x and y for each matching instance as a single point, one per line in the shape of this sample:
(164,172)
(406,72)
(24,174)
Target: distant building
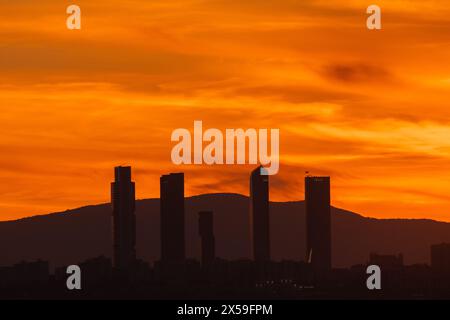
(318,222)
(392,270)
(206,232)
(124,220)
(386,261)
(95,271)
(259,215)
(25,274)
(440,257)
(172,218)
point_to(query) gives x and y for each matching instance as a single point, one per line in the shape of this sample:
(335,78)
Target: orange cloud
(368,108)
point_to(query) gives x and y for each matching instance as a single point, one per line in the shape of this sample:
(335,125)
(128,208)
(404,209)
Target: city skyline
(312,276)
(223,156)
(173,229)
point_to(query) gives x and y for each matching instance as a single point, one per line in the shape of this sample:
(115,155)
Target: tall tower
(124,219)
(172,218)
(318,222)
(206,232)
(259,215)
(440,257)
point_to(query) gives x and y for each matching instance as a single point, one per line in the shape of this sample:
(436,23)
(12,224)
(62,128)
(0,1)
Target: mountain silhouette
(75,235)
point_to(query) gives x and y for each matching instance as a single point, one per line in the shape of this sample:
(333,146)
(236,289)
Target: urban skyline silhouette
(174,275)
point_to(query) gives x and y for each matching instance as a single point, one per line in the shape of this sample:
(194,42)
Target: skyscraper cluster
(214,276)
(172,217)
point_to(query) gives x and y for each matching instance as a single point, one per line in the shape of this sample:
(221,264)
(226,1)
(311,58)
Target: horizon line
(215,194)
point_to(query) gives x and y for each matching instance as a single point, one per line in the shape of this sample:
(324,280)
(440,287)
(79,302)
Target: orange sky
(369,108)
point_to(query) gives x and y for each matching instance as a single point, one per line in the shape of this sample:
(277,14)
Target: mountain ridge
(71,236)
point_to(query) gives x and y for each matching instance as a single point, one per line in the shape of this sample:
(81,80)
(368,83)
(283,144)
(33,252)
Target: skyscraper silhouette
(206,232)
(318,222)
(172,218)
(124,220)
(440,257)
(259,215)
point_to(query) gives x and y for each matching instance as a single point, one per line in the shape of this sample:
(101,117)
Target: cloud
(369,109)
(356,73)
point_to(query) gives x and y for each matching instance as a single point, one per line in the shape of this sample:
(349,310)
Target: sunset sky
(368,108)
